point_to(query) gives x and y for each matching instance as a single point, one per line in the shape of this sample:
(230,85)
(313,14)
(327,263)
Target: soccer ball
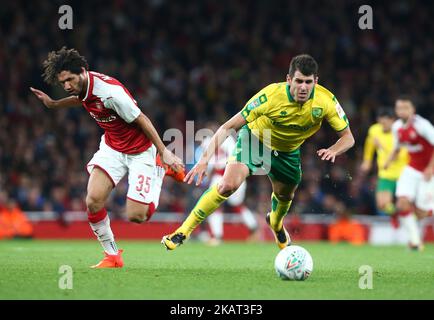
(293,263)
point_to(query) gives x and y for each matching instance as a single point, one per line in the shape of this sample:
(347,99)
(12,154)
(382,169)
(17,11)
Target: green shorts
(386,185)
(281,166)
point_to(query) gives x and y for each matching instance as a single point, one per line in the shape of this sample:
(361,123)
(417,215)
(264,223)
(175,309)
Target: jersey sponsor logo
(295,126)
(110,118)
(316,112)
(283,113)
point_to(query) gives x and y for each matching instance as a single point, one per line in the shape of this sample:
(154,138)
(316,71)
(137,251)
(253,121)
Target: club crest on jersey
(316,112)
(98,106)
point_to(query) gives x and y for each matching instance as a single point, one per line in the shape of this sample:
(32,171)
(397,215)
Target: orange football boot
(177,175)
(110,261)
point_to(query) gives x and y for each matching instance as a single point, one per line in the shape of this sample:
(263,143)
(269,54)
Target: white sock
(410,224)
(421,228)
(215,221)
(105,235)
(249,219)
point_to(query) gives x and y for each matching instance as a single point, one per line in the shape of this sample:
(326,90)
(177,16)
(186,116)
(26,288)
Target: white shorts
(412,185)
(237,198)
(144,177)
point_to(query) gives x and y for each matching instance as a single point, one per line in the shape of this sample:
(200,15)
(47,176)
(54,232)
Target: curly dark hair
(63,60)
(305,64)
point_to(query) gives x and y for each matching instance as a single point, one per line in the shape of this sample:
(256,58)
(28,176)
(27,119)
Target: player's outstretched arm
(71,101)
(345,142)
(200,169)
(167,156)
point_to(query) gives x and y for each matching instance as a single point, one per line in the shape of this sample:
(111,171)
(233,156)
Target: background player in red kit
(415,187)
(130,144)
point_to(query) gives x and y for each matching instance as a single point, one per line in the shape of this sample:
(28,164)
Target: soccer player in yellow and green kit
(380,141)
(277,120)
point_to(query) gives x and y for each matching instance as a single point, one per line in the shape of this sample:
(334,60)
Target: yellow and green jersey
(382,143)
(290,123)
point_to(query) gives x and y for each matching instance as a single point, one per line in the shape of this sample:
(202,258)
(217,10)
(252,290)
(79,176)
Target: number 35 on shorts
(143,184)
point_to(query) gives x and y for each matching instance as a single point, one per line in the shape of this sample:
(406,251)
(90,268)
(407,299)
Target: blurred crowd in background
(201,61)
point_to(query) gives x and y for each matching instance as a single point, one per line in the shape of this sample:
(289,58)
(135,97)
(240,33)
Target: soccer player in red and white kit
(130,144)
(415,187)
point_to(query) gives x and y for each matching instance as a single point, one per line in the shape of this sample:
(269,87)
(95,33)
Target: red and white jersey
(417,135)
(114,110)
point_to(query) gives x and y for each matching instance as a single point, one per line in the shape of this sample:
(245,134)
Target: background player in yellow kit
(380,141)
(275,122)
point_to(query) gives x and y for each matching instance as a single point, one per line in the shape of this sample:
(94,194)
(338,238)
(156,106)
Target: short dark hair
(406,97)
(303,63)
(385,112)
(63,60)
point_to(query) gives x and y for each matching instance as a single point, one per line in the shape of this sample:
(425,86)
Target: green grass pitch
(29,269)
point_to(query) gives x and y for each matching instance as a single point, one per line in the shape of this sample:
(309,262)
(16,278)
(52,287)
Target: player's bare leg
(408,218)
(281,200)
(138,212)
(384,200)
(98,190)
(235,174)
(421,214)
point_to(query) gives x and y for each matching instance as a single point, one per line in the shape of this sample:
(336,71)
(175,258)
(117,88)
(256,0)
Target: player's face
(386,123)
(301,86)
(404,109)
(71,82)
